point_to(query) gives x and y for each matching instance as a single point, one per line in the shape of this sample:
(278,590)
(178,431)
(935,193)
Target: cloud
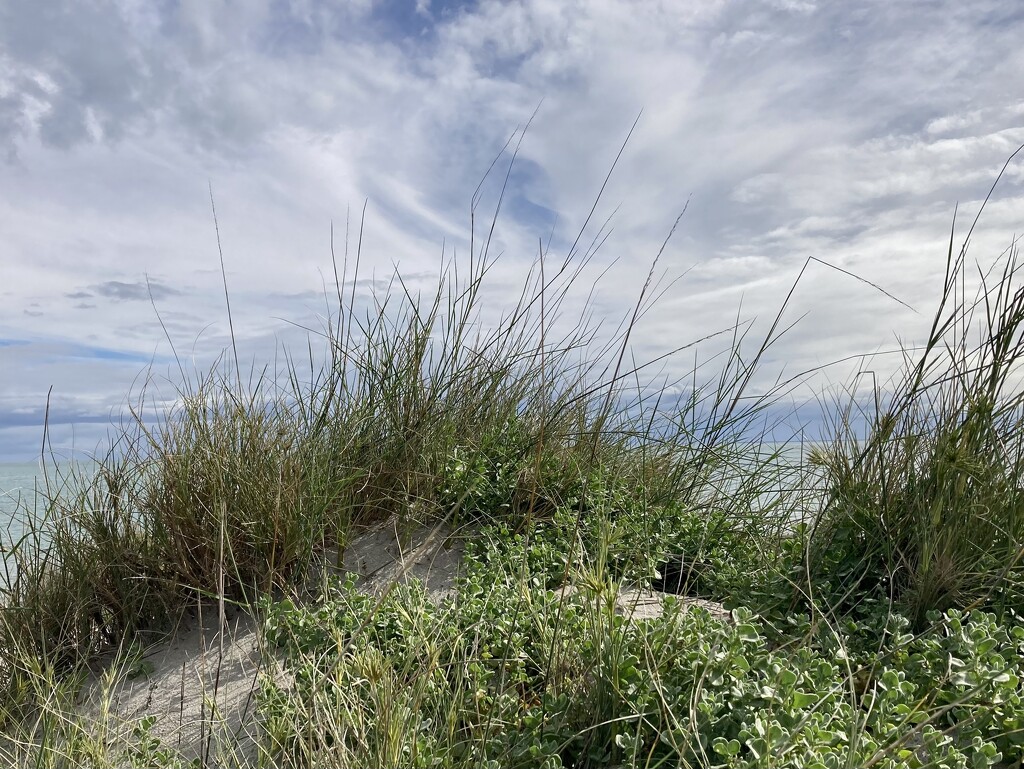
(57,416)
(121,291)
(77,71)
(788,128)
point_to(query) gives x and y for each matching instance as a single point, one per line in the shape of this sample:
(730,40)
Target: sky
(847,130)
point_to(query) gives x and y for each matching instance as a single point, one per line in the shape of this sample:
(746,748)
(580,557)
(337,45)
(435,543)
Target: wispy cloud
(848,131)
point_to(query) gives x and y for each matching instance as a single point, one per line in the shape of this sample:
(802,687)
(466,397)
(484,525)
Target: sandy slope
(200,684)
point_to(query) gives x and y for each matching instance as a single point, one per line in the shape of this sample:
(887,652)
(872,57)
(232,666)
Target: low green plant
(478,681)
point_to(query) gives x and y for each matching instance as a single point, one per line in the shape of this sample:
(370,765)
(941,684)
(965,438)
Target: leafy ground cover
(874,582)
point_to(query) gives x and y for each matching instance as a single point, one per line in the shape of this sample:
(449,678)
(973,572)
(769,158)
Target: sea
(22,496)
(19,483)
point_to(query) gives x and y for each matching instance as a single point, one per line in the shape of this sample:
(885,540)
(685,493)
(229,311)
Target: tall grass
(927,509)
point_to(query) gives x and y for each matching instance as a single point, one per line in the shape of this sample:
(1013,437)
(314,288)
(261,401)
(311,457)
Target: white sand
(200,683)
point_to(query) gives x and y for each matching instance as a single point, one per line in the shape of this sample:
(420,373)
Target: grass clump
(928,509)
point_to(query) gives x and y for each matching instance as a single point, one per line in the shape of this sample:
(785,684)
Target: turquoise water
(18,485)
(23,495)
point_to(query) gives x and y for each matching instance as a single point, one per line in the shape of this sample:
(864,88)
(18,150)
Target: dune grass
(929,508)
(883,630)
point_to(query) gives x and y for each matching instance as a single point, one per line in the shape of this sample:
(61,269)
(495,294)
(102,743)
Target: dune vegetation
(873,581)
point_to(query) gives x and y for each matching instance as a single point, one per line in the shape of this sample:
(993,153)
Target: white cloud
(790,128)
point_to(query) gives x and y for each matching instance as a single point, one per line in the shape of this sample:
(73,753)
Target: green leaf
(803,699)
(987,645)
(747,633)
(726,748)
(787,677)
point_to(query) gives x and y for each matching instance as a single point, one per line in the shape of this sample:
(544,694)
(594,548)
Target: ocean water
(23,495)
(18,485)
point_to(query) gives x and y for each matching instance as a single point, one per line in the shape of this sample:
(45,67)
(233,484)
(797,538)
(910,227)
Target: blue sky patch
(105,354)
